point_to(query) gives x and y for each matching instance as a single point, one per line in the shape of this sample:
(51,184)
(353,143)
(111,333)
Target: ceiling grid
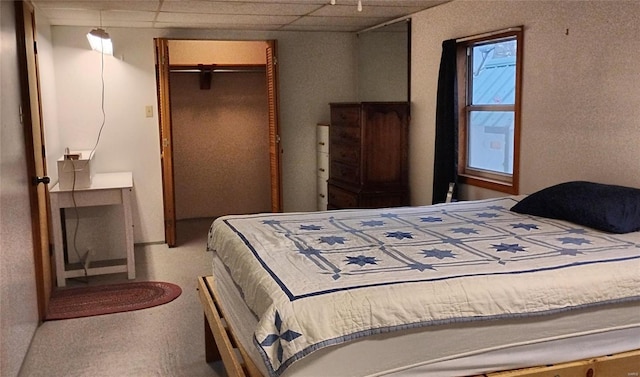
(265,15)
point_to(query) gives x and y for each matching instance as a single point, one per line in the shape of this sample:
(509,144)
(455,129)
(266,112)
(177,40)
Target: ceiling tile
(367,11)
(185,25)
(333,28)
(110,16)
(97,18)
(307,15)
(339,21)
(140,5)
(72,22)
(231,7)
(393,3)
(198,18)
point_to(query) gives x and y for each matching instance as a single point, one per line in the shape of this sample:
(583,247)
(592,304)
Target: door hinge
(20,114)
(277,139)
(165,142)
(275,60)
(35,47)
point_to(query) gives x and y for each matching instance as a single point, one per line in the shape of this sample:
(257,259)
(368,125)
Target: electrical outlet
(149,111)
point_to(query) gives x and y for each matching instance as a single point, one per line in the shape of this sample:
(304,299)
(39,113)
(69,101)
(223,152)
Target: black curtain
(446,151)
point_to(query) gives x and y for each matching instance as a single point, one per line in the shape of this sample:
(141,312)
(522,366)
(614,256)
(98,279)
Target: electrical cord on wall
(84,165)
(77,225)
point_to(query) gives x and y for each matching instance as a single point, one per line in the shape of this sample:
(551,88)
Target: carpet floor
(165,340)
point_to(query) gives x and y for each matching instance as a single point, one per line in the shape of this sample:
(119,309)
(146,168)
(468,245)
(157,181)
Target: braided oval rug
(106,299)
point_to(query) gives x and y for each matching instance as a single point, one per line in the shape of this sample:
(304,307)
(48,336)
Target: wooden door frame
(166,136)
(31,114)
(166,139)
(275,149)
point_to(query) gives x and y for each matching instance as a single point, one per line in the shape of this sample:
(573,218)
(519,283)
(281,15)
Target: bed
(456,289)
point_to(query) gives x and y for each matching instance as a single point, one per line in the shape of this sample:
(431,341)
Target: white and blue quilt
(322,278)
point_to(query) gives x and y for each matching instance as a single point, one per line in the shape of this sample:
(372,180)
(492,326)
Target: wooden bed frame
(221,344)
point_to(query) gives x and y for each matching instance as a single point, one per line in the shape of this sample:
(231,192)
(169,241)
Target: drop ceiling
(266,15)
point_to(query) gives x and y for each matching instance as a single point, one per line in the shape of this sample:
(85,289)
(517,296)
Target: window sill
(490,184)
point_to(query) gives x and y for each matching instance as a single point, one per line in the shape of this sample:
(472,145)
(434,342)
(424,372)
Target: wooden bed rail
(220,341)
(625,364)
(221,344)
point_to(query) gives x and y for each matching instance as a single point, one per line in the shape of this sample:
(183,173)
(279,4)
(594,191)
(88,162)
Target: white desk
(105,189)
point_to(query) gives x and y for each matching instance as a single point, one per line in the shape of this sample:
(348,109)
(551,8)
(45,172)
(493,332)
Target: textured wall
(184,52)
(18,303)
(383,59)
(220,145)
(314,69)
(580,99)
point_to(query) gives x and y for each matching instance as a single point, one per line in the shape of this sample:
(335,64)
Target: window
(489,71)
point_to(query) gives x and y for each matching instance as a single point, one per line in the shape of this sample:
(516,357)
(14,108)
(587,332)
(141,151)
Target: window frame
(507,183)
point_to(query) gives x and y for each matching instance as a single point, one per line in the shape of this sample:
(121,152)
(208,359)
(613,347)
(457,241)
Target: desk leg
(128,224)
(57,240)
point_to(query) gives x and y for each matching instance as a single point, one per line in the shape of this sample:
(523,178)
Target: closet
(218,117)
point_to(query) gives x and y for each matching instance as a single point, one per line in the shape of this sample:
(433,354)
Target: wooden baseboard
(221,344)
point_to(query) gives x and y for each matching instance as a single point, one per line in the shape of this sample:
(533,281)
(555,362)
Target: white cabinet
(322,164)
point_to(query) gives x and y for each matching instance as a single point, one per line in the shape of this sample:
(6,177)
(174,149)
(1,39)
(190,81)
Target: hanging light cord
(73,187)
(101,94)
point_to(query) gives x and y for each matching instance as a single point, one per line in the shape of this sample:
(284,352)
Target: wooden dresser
(368,155)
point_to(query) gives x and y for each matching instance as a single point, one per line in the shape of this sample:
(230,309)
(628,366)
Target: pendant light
(100,40)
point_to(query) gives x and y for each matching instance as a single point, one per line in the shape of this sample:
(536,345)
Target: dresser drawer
(349,116)
(344,172)
(347,153)
(339,198)
(344,134)
(322,137)
(322,197)
(322,165)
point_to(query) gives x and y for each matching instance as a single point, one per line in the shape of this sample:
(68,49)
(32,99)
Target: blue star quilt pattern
(322,278)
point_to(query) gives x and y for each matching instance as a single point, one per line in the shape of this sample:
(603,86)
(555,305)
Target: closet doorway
(218,115)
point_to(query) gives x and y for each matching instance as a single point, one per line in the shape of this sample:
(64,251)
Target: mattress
(545,283)
(451,350)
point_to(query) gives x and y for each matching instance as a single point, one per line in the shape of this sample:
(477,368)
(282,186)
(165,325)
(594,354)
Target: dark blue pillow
(610,208)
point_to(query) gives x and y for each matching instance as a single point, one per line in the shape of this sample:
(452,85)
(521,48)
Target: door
(275,149)
(34,140)
(166,142)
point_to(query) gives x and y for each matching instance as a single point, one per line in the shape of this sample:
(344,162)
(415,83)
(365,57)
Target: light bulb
(359,5)
(100,41)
